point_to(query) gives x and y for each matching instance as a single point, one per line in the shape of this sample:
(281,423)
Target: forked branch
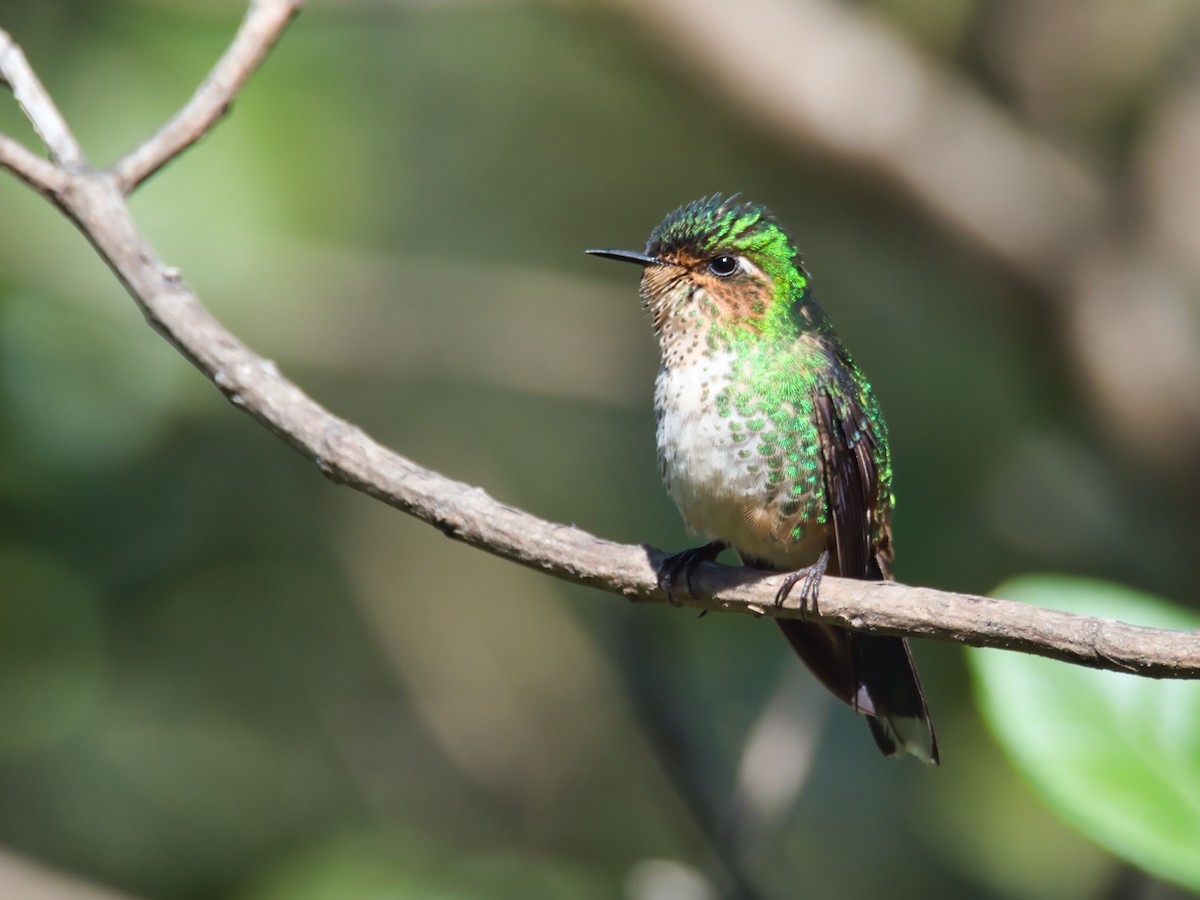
(263,24)
(95,201)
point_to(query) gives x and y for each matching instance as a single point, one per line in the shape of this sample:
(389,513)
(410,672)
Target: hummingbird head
(723,263)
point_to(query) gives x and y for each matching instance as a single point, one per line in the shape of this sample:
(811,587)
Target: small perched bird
(770,441)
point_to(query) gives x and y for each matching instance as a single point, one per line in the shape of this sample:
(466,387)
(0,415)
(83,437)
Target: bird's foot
(811,576)
(684,563)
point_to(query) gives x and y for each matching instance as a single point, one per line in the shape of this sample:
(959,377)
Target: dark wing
(848,449)
(873,673)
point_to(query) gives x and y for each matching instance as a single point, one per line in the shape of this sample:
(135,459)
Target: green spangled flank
(1116,756)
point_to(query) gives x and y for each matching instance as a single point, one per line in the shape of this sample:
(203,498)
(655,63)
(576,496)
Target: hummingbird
(771,442)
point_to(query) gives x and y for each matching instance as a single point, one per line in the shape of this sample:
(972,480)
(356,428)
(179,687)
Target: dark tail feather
(874,675)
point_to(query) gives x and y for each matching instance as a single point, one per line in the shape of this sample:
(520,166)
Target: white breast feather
(699,459)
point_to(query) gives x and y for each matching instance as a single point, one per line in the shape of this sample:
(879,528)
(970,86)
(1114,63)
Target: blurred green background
(221,676)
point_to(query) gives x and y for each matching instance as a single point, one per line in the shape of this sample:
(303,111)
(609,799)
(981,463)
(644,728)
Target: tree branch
(264,22)
(95,201)
(47,121)
(26,880)
(42,176)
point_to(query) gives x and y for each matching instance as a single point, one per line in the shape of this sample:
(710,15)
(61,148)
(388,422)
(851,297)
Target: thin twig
(42,176)
(47,121)
(95,201)
(23,878)
(264,22)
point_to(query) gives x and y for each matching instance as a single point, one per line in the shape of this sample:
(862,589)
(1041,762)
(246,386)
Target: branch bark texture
(95,201)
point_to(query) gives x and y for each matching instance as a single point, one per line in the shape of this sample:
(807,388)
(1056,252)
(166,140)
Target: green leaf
(1117,756)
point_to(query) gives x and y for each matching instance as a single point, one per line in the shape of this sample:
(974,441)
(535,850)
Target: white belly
(718,482)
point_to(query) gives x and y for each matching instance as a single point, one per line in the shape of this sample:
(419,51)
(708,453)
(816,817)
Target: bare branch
(23,879)
(349,456)
(264,22)
(95,201)
(42,176)
(47,121)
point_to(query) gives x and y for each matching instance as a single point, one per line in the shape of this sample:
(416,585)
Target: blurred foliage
(220,676)
(1117,756)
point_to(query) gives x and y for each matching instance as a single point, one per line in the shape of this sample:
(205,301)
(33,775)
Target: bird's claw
(684,563)
(811,576)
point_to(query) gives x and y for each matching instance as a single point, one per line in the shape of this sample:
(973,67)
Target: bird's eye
(723,266)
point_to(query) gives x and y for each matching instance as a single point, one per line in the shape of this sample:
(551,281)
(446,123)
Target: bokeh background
(222,676)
